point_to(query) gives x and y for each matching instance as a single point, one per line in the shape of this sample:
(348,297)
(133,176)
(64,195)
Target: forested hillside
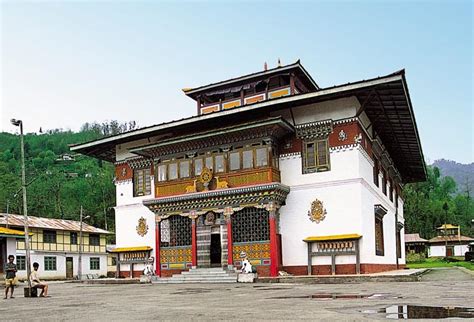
(463,174)
(57,186)
(424,205)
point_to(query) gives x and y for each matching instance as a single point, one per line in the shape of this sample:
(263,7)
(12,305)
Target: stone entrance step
(199,275)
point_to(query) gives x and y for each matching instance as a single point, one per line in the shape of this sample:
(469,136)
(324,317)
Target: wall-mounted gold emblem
(317,212)
(142,227)
(206,177)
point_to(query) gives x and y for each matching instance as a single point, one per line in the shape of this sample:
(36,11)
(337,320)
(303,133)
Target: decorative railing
(245,100)
(258,252)
(176,257)
(233,179)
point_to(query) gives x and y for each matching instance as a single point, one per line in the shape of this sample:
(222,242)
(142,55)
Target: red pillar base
(273,247)
(157,248)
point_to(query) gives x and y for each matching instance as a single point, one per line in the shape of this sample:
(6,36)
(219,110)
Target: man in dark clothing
(10,278)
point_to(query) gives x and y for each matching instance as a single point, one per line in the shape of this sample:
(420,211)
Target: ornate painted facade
(275,168)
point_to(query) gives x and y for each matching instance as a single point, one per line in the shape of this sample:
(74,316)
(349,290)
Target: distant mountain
(463,174)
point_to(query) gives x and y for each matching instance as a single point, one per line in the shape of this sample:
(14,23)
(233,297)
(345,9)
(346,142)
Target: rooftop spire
(265,67)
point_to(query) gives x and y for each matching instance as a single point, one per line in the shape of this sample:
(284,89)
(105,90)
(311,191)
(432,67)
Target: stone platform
(403,275)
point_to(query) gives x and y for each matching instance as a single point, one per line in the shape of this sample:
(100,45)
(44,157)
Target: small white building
(54,245)
(449,242)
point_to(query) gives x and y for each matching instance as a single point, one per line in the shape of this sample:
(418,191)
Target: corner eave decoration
(317,212)
(142,227)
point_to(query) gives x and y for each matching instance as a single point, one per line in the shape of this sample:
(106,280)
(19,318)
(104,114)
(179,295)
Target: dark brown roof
(297,67)
(385,100)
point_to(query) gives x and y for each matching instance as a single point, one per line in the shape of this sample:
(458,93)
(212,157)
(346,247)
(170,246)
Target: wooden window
(50,263)
(49,236)
(316,156)
(172,171)
(390,191)
(162,174)
(94,240)
(73,238)
(261,157)
(234,160)
(21,263)
(210,163)
(176,231)
(379,244)
(250,224)
(396,197)
(141,182)
(198,166)
(399,244)
(247,159)
(94,263)
(376,172)
(220,163)
(184,169)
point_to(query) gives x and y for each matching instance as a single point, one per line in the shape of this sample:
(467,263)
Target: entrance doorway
(216,250)
(449,251)
(69,267)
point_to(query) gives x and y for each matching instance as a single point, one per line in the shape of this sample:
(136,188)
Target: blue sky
(64,63)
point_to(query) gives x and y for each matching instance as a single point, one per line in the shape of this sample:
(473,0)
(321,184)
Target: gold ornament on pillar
(317,212)
(142,227)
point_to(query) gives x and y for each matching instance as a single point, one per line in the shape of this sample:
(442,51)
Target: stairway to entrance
(199,275)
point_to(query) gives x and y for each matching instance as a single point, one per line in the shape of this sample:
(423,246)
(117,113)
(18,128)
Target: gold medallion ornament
(142,227)
(206,177)
(317,212)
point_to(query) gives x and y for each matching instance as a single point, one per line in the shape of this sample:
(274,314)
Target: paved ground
(446,287)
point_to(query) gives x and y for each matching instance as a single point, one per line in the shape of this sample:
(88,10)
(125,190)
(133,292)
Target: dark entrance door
(216,251)
(449,251)
(69,268)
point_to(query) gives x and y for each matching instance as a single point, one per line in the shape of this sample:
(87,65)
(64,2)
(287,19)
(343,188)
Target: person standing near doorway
(10,276)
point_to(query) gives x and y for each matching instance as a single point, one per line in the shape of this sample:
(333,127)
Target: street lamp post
(445,208)
(79,267)
(25,208)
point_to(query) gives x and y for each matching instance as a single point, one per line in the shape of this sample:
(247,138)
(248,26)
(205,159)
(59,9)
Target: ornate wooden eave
(272,128)
(217,200)
(314,130)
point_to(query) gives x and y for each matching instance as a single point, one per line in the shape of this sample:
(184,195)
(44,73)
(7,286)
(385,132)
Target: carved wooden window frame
(380,212)
(141,182)
(318,166)
(376,172)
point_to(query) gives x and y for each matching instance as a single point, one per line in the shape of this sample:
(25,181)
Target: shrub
(415,258)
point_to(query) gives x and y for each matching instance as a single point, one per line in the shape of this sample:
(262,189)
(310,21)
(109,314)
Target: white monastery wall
(126,221)
(373,195)
(338,189)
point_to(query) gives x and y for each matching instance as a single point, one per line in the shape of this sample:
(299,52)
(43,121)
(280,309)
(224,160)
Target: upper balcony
(231,157)
(249,89)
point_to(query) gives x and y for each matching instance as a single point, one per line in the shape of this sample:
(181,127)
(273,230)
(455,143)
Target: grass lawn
(440,262)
